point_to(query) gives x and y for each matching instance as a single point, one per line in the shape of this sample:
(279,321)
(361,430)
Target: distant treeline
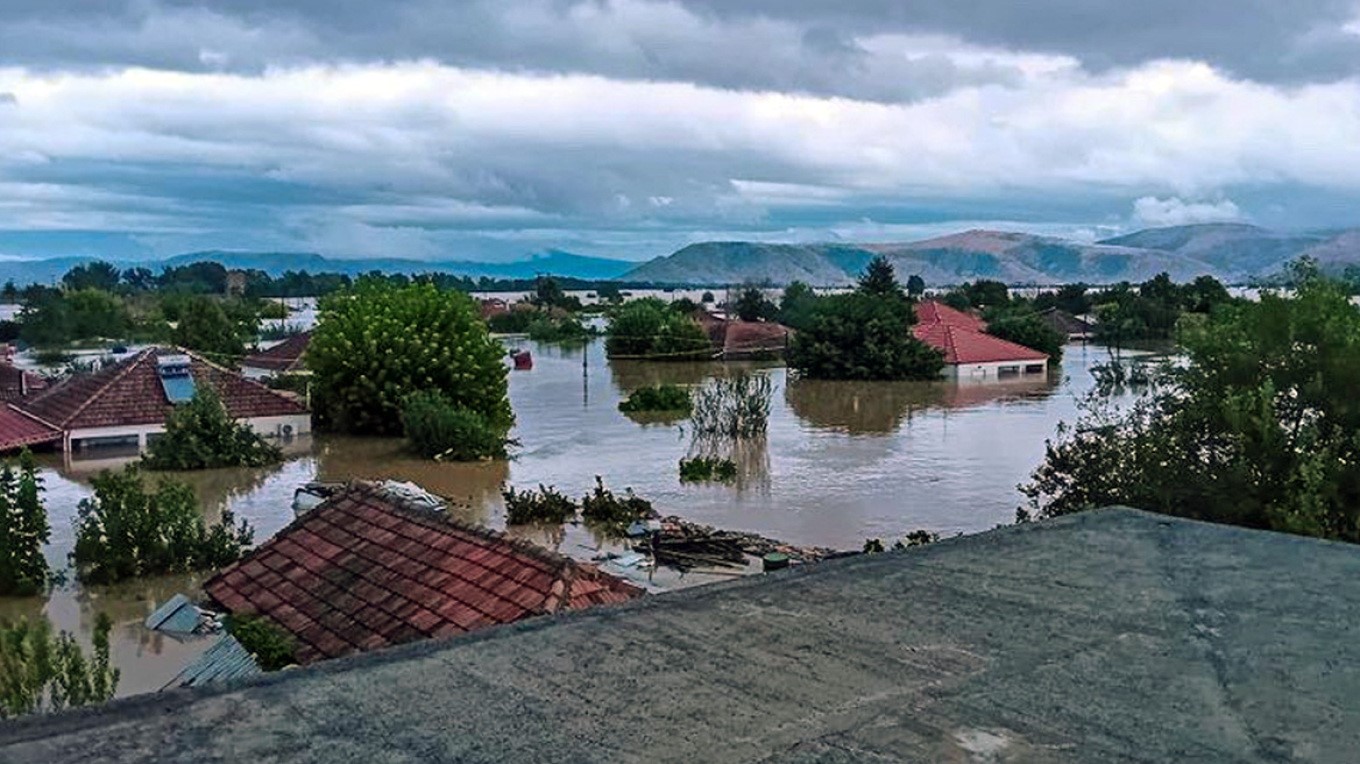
(213,278)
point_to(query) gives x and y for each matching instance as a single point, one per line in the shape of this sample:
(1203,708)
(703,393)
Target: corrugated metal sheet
(225,661)
(178,615)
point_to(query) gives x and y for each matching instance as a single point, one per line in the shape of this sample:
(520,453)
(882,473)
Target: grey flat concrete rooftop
(1112,636)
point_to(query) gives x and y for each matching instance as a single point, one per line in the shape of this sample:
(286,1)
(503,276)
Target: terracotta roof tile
(130,393)
(363,571)
(283,357)
(19,429)
(962,337)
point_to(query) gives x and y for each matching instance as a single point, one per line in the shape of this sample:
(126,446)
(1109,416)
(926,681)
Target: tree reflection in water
(880,408)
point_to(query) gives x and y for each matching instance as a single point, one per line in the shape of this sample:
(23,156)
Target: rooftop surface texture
(361,571)
(283,357)
(130,393)
(963,339)
(1109,636)
(18,429)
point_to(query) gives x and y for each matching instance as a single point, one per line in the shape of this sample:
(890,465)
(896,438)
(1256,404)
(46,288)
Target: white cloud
(420,145)
(1153,212)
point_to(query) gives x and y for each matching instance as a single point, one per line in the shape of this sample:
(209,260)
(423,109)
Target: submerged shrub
(603,507)
(663,398)
(43,672)
(272,646)
(546,505)
(732,407)
(438,429)
(202,435)
(701,469)
(23,528)
(126,532)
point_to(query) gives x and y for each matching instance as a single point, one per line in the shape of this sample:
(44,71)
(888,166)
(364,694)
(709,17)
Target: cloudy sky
(491,129)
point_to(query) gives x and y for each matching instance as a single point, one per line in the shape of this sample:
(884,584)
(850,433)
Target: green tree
(865,334)
(377,343)
(795,305)
(547,292)
(916,286)
(202,435)
(43,672)
(1257,427)
(23,528)
(650,328)
(706,298)
(125,531)
(438,429)
(94,275)
(205,326)
(879,279)
(1029,330)
(986,293)
(753,305)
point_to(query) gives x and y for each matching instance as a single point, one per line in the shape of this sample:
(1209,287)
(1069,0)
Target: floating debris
(179,615)
(684,545)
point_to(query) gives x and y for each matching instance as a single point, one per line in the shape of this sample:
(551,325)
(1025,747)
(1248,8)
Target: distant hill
(1236,251)
(1231,252)
(1337,253)
(275,263)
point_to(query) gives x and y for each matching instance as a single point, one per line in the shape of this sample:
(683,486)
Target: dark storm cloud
(786,45)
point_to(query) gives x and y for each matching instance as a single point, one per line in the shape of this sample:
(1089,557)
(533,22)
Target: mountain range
(1235,253)
(275,263)
(1232,252)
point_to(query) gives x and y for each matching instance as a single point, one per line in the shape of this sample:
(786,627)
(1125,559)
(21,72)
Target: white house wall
(266,426)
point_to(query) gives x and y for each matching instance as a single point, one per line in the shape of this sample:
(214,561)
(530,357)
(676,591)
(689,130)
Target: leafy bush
(125,532)
(512,322)
(665,397)
(753,305)
(1028,330)
(649,328)
(273,647)
(23,528)
(379,342)
(566,329)
(702,469)
(272,309)
(41,672)
(202,435)
(546,505)
(602,507)
(1257,427)
(437,429)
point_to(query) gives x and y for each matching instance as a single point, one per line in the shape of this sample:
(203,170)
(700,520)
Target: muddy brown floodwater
(842,462)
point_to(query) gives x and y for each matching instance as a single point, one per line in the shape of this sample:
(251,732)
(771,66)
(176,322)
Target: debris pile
(685,545)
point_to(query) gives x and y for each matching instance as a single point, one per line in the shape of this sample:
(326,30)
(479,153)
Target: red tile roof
(735,339)
(18,429)
(363,571)
(965,346)
(936,312)
(15,383)
(130,393)
(285,356)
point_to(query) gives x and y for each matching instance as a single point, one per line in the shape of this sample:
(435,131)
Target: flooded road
(841,462)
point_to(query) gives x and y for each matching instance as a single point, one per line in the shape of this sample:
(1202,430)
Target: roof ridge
(235,373)
(32,416)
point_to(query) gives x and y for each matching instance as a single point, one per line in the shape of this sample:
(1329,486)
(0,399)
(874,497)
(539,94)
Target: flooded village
(841,462)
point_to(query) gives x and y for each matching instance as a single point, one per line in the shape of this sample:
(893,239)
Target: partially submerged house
(128,402)
(283,358)
(734,339)
(969,352)
(367,568)
(19,429)
(1073,327)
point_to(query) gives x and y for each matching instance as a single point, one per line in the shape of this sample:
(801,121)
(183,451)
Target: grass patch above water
(657,398)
